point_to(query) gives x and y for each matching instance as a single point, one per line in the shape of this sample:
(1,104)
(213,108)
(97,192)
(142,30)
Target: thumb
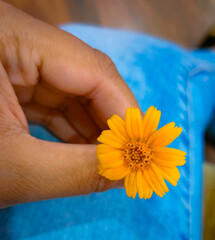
(38,170)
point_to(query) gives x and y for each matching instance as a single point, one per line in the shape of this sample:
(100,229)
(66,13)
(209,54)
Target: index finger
(76,68)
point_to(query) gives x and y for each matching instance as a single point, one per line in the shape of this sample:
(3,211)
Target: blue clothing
(178,82)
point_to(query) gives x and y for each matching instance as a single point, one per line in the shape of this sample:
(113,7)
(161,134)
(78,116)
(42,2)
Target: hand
(64,84)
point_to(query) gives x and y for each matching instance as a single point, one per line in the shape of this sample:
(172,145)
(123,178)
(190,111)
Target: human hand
(69,87)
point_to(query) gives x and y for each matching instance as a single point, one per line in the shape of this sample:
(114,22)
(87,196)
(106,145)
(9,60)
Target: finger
(54,121)
(51,55)
(73,67)
(70,106)
(87,73)
(43,170)
(23,94)
(78,117)
(47,96)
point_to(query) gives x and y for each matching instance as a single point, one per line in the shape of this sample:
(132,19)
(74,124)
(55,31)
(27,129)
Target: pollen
(137,154)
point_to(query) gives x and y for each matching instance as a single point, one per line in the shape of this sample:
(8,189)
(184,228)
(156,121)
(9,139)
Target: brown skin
(52,78)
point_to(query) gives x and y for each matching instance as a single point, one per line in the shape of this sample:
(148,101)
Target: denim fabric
(181,85)
(211,126)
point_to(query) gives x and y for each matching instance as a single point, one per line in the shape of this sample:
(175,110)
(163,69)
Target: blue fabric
(179,83)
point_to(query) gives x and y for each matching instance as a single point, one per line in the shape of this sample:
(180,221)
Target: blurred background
(189,23)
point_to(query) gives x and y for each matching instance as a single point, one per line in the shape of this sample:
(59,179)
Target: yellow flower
(135,150)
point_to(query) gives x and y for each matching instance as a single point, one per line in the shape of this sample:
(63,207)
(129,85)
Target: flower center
(137,154)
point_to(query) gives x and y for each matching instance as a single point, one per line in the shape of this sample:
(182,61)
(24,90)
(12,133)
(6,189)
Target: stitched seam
(194,70)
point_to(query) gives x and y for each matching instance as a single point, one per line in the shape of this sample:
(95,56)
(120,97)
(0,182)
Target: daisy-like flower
(135,150)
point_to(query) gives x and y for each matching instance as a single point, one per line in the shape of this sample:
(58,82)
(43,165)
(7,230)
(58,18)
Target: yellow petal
(111,159)
(161,132)
(150,121)
(128,123)
(134,123)
(117,126)
(172,175)
(131,184)
(146,118)
(134,187)
(168,151)
(139,124)
(144,191)
(149,193)
(168,157)
(103,148)
(115,173)
(126,184)
(151,182)
(140,187)
(108,138)
(167,161)
(156,121)
(154,180)
(159,176)
(172,172)
(165,135)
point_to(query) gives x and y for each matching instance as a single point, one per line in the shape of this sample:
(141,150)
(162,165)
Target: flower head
(135,150)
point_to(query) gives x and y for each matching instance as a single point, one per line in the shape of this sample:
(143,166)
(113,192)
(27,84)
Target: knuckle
(8,130)
(102,57)
(103,184)
(104,63)
(9,126)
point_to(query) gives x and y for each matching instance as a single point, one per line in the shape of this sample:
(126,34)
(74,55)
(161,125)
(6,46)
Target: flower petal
(144,191)
(129,123)
(169,157)
(168,151)
(160,132)
(126,184)
(139,124)
(156,121)
(111,159)
(147,117)
(150,121)
(154,179)
(152,182)
(134,186)
(117,126)
(159,176)
(164,136)
(169,161)
(172,175)
(107,137)
(115,173)
(131,184)
(149,193)
(134,124)
(103,148)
